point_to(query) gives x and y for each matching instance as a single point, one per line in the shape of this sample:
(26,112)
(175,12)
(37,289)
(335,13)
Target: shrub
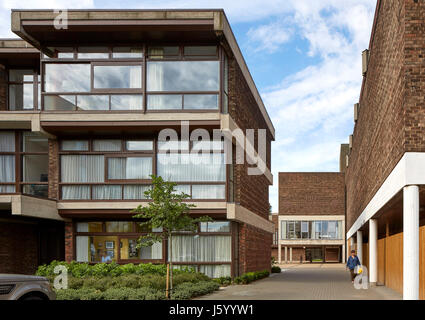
(251,276)
(276,269)
(190,290)
(224,281)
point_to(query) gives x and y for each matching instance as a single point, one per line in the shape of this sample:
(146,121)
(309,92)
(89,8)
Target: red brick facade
(69,241)
(391,116)
(53,169)
(319,193)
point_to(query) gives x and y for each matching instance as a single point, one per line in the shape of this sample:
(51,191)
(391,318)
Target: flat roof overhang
(127,26)
(16,53)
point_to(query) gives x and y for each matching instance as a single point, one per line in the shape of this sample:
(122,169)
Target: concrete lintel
(21,205)
(126,205)
(239,213)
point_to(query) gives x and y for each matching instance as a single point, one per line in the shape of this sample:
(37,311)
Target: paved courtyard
(305,282)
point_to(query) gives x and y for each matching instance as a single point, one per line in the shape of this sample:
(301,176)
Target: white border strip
(410,170)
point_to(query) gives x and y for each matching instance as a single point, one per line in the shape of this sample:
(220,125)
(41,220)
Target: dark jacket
(353,262)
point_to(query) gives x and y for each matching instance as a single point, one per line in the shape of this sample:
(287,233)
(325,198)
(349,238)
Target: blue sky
(304,55)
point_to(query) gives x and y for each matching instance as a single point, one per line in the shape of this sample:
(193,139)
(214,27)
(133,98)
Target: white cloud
(269,37)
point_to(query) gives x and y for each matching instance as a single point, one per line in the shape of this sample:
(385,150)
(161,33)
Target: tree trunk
(171,263)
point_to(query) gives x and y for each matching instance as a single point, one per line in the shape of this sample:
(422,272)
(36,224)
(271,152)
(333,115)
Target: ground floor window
(208,250)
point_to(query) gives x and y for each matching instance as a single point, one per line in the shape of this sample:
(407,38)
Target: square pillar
(279,253)
(411,243)
(373,251)
(360,245)
(290,254)
(286,254)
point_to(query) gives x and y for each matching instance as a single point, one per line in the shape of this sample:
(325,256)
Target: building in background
(78,137)
(311,218)
(385,176)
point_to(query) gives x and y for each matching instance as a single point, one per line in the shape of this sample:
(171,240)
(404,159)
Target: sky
(304,56)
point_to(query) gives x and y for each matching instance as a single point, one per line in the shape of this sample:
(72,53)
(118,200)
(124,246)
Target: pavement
(304,282)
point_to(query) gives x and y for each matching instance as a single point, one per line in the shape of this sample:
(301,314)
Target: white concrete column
(411,243)
(360,245)
(286,254)
(343,254)
(373,251)
(279,253)
(290,254)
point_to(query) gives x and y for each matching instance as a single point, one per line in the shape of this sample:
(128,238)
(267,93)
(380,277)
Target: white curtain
(7,141)
(216,271)
(201,248)
(130,168)
(7,168)
(107,145)
(75,192)
(192,167)
(152,252)
(82,248)
(107,192)
(208,191)
(7,189)
(283,230)
(135,192)
(82,168)
(155,78)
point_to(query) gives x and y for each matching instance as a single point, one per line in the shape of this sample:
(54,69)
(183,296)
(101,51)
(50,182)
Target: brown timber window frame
(35,83)
(135,235)
(111,61)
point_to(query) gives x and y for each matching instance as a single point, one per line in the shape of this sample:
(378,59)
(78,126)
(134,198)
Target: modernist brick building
(79,138)
(385,176)
(311,220)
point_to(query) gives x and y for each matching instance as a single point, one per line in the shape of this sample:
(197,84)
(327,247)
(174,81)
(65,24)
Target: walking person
(352,262)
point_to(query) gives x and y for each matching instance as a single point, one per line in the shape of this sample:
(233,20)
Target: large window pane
(164,101)
(33,142)
(117,77)
(189,248)
(96,249)
(82,168)
(129,250)
(67,77)
(7,141)
(20,75)
(89,227)
(7,168)
(21,96)
(75,192)
(107,192)
(135,192)
(191,167)
(38,190)
(35,168)
(60,102)
(129,168)
(208,191)
(216,271)
(127,102)
(93,102)
(183,76)
(201,101)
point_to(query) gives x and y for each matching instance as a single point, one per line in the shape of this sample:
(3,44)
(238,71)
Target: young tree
(168,211)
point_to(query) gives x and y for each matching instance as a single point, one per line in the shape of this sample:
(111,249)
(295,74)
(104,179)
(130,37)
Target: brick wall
(69,241)
(311,193)
(252,192)
(53,169)
(392,112)
(254,249)
(19,248)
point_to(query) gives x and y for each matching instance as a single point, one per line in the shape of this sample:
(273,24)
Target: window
(127,52)
(93,53)
(129,250)
(215,226)
(163,52)
(117,77)
(209,52)
(107,145)
(130,168)
(139,145)
(82,168)
(119,226)
(311,230)
(183,76)
(7,162)
(23,86)
(75,145)
(64,77)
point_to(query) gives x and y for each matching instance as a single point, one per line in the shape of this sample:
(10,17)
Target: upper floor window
(23,89)
(315,230)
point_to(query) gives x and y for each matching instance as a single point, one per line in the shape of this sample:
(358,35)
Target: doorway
(314,254)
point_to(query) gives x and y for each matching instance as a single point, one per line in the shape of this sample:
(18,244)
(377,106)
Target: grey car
(25,287)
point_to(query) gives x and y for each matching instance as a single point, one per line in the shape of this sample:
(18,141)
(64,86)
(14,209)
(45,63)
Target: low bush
(251,276)
(190,290)
(276,269)
(223,281)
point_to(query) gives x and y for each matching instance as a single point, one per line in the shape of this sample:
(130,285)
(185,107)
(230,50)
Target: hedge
(251,276)
(78,269)
(276,269)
